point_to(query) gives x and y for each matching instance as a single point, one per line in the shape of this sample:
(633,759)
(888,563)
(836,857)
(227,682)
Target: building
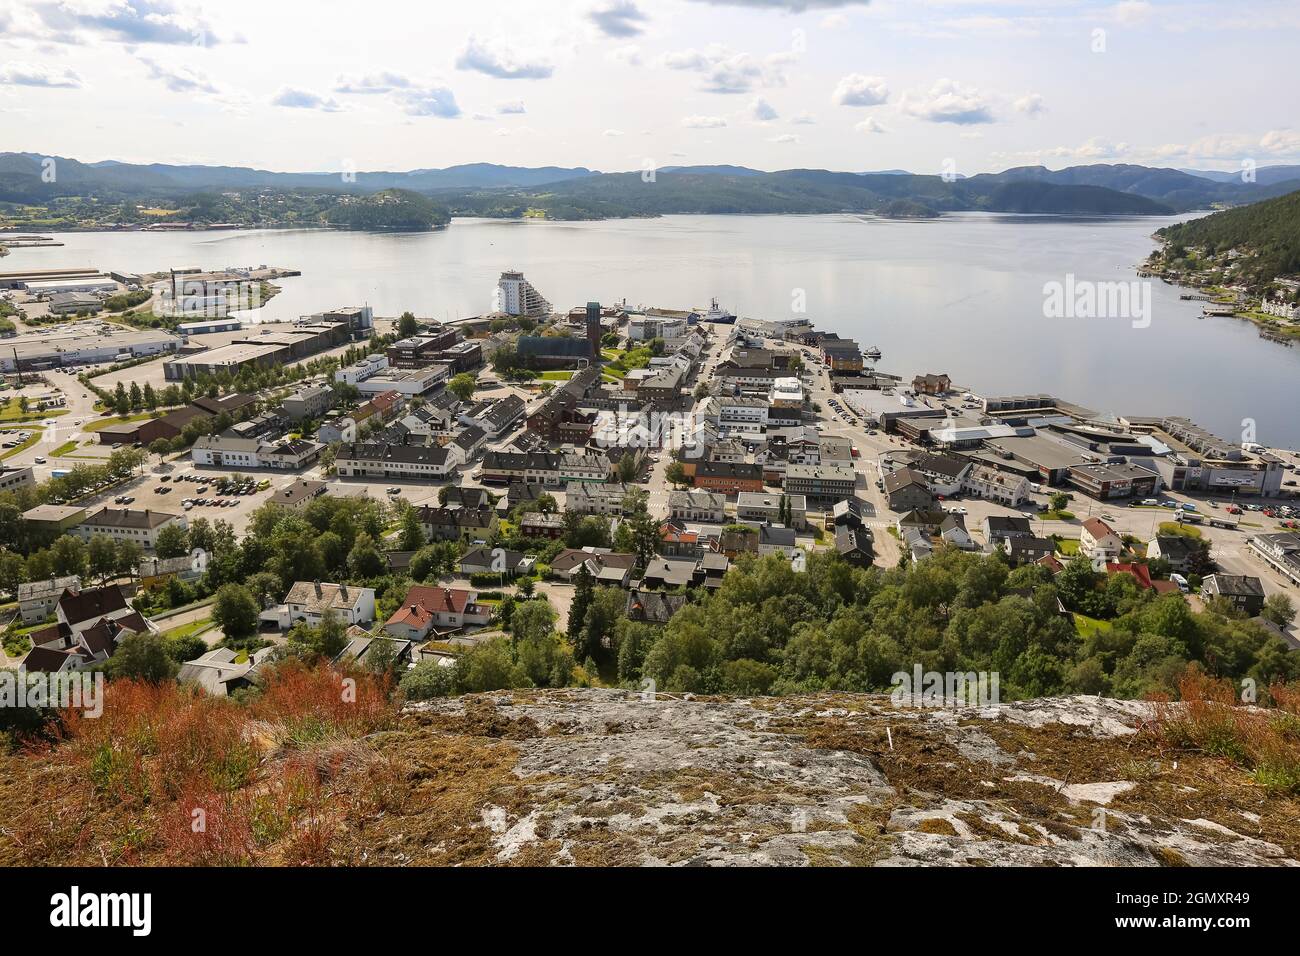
(359,371)
(776,539)
(594,498)
(230,359)
(821,484)
(310,601)
(337,430)
(767,509)
(88,626)
(297,494)
(729,478)
(1242,591)
(1174,549)
(516,296)
(540,524)
(498,561)
(430,611)
(643,328)
(124,524)
(406,382)
(929,384)
(420,350)
(906,490)
(854,545)
(36,599)
(543,468)
(455,523)
(496,417)
(84,344)
(697,506)
(653,607)
(382,460)
(310,402)
(73,303)
(1099,541)
(1281,551)
(555,351)
(606,567)
(1114,480)
(54,519)
(990,484)
(1000,528)
(558,417)
(1025,550)
(11,479)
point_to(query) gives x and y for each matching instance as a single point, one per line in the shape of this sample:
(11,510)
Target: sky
(923,85)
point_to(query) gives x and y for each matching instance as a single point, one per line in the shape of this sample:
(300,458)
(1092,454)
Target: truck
(60,473)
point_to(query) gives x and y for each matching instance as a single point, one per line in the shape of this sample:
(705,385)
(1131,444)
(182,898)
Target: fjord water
(962,295)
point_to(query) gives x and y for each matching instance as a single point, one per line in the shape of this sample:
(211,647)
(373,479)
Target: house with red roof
(1099,540)
(90,624)
(431,610)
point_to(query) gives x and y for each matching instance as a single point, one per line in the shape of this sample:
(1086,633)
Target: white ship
(717,314)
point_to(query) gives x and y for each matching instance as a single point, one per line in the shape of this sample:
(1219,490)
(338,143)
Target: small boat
(873,353)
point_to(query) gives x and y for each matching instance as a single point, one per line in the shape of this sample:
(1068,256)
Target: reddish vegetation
(169,774)
(1211,720)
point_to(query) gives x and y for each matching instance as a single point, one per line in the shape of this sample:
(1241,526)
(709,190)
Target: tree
(151,397)
(364,559)
(583,589)
(235,612)
(136,397)
(627,468)
(102,556)
(160,447)
(143,657)
(676,473)
(121,401)
(1279,609)
(407,325)
(172,541)
(1059,500)
(412,538)
(13,571)
(463,386)
(427,680)
(68,555)
(702,391)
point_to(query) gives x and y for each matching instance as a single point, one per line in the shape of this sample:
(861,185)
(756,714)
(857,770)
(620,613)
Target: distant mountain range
(487,189)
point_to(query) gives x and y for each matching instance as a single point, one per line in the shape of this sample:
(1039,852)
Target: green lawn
(1087,626)
(185,630)
(63,449)
(1068,546)
(556,376)
(1175,528)
(1056,515)
(115,420)
(12,413)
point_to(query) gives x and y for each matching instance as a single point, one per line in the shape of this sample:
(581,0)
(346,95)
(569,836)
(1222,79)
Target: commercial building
(359,371)
(1281,552)
(729,478)
(766,509)
(993,485)
(419,350)
(230,359)
(72,303)
(125,524)
(821,484)
(544,468)
(1114,480)
(83,344)
(54,519)
(406,382)
(310,402)
(697,505)
(11,479)
(410,462)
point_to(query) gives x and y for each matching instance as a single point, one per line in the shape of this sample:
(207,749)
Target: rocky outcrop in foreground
(593,777)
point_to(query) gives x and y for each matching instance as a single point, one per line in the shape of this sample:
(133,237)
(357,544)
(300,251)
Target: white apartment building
(124,524)
(516,296)
(993,485)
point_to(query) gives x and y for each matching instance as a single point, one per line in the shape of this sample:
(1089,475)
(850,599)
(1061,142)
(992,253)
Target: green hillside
(1265,236)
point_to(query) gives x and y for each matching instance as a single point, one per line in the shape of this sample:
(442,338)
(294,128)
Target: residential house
(1099,541)
(430,610)
(930,384)
(854,545)
(943,472)
(538,524)
(458,523)
(592,498)
(653,607)
(605,566)
(484,560)
(36,599)
(820,484)
(88,626)
(1242,591)
(907,490)
(1175,549)
(310,601)
(998,528)
(776,539)
(767,508)
(1024,550)
(981,481)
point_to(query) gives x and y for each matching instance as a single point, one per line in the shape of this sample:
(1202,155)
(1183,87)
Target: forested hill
(1266,233)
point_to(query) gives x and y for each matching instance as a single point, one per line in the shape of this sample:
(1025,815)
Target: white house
(310,600)
(1099,540)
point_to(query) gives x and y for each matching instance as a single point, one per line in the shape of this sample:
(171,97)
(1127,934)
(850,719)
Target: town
(435,473)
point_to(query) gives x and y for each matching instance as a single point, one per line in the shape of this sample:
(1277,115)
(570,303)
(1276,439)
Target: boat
(873,353)
(717,314)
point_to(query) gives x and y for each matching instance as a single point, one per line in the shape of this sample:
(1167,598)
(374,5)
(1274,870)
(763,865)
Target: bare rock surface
(611,777)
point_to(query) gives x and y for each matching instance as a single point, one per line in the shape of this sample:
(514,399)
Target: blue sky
(625,84)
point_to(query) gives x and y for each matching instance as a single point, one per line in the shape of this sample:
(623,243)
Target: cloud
(762,110)
(511,108)
(723,70)
(1281,142)
(870,125)
(613,132)
(835,21)
(496,59)
(629,55)
(179,79)
(372,83)
(785,138)
(858,90)
(297,99)
(125,21)
(803,119)
(38,74)
(704,122)
(1131,12)
(1031,104)
(436,101)
(949,102)
(618,18)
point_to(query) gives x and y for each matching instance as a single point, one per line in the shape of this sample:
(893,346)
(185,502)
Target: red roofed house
(1139,572)
(430,609)
(385,405)
(1099,540)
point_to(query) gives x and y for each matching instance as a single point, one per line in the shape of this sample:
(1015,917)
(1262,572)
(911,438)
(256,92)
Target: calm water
(963,295)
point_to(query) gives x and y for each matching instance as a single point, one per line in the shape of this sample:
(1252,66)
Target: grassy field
(1186,530)
(63,449)
(1068,546)
(12,413)
(115,420)
(185,630)
(556,376)
(1087,626)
